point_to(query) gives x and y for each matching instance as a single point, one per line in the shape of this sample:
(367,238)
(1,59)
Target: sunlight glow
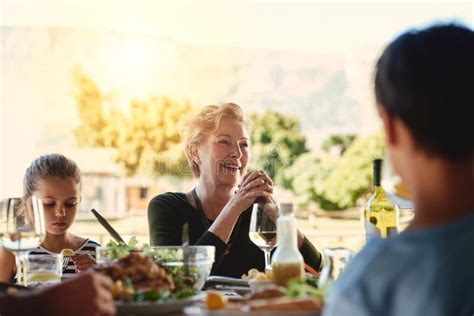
(136,56)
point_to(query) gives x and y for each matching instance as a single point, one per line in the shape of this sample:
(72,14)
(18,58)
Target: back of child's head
(425,78)
(44,167)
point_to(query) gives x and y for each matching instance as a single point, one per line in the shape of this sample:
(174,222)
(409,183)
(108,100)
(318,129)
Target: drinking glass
(335,260)
(43,269)
(263,231)
(22,228)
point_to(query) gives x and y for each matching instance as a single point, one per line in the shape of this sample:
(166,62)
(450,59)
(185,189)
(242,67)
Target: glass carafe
(287,261)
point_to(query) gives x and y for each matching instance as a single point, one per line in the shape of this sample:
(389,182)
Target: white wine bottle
(380,214)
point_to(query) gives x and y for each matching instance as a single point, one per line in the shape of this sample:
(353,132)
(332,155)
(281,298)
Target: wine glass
(22,229)
(335,260)
(263,229)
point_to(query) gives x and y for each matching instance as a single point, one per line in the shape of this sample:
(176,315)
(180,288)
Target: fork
(65,263)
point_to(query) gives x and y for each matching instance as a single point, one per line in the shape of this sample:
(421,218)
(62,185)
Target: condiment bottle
(287,261)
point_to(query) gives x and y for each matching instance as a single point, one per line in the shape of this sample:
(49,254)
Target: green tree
(276,143)
(341,142)
(335,182)
(352,174)
(150,142)
(306,179)
(147,139)
(89,102)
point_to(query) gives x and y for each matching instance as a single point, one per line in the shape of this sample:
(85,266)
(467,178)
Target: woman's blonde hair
(198,127)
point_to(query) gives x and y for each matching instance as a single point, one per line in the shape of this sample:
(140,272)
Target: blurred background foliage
(277,142)
(146,138)
(148,143)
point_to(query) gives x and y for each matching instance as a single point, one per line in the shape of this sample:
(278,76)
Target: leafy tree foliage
(341,142)
(333,182)
(276,143)
(306,179)
(147,139)
(89,102)
(352,175)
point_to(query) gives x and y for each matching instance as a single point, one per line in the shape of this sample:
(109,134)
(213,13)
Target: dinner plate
(155,308)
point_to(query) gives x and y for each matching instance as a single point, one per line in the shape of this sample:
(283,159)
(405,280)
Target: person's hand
(87,294)
(83,262)
(256,186)
(260,180)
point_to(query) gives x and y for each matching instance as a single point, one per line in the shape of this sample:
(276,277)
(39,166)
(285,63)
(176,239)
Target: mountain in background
(328,93)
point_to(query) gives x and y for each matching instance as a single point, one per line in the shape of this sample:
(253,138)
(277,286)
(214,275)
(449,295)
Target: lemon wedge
(214,301)
(67,252)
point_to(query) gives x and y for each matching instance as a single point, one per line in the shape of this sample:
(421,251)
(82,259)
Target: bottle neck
(378,189)
(377,171)
(286,232)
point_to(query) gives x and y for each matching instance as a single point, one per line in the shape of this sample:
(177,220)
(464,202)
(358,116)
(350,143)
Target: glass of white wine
(22,228)
(263,231)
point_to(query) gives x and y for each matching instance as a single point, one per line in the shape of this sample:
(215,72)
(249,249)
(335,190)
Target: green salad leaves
(120,249)
(307,287)
(183,278)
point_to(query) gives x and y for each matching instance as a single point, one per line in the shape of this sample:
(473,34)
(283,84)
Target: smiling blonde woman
(218,209)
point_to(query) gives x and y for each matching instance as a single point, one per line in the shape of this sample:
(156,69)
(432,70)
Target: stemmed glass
(263,229)
(335,260)
(22,228)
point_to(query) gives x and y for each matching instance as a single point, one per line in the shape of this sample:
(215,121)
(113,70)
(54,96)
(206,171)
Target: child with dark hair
(424,92)
(57,181)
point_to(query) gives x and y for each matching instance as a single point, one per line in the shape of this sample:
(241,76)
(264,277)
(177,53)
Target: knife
(185,243)
(107,226)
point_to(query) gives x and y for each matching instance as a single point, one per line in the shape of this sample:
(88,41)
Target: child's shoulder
(86,243)
(91,242)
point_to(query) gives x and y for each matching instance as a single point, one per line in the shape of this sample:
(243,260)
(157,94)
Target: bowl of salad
(190,264)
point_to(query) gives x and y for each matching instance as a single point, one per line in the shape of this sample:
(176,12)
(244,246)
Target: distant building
(140,190)
(103,184)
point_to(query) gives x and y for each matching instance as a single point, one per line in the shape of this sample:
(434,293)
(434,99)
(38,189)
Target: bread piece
(270,292)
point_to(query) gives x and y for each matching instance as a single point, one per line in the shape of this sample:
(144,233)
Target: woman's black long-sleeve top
(169,211)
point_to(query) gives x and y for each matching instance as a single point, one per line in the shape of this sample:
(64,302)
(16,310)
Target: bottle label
(371,230)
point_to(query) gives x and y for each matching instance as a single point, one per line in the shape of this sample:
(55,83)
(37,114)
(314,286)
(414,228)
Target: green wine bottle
(380,214)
